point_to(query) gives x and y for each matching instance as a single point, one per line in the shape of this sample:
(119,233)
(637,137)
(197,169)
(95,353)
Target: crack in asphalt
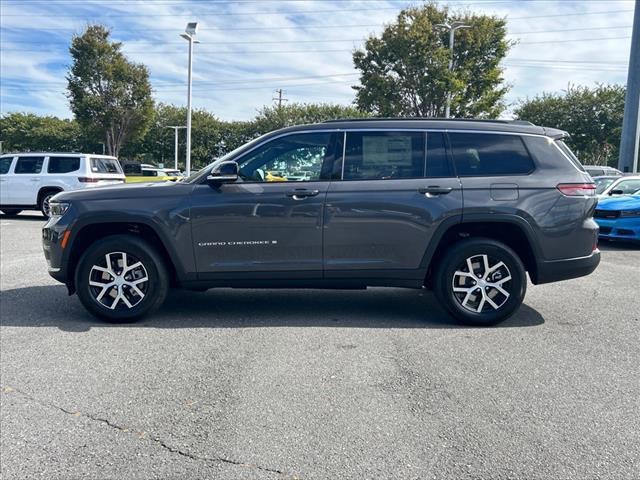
(142,435)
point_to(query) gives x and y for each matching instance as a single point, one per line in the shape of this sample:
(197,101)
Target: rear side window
(105,165)
(487,154)
(5,165)
(63,164)
(149,173)
(29,165)
(384,155)
(437,162)
(567,151)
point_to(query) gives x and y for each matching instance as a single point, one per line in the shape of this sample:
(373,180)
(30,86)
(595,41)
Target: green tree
(24,132)
(405,71)
(271,117)
(109,95)
(593,117)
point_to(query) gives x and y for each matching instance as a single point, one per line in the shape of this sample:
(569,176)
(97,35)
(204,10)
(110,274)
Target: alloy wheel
(120,281)
(481,284)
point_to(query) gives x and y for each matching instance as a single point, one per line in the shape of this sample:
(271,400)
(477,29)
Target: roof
(49,154)
(510,126)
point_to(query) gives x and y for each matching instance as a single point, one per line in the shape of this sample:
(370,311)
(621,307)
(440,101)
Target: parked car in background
(599,171)
(143,173)
(466,208)
(28,181)
(619,217)
(603,182)
(621,186)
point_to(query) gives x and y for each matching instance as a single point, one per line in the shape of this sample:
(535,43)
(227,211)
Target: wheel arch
(511,230)
(42,191)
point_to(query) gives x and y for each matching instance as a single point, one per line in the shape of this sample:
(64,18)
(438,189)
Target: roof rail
(432,119)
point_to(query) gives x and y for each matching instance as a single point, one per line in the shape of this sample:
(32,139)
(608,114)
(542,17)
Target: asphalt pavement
(261,384)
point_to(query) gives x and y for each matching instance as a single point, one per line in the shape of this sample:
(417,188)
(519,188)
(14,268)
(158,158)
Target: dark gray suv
(462,207)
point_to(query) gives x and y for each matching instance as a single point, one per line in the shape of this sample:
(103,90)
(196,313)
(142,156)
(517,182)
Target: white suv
(29,180)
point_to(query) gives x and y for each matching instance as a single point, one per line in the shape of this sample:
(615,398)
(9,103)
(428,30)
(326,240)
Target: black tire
(455,260)
(11,212)
(137,250)
(43,202)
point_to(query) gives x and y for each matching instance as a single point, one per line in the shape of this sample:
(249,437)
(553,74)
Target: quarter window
(29,165)
(384,155)
(293,158)
(63,164)
(105,165)
(484,154)
(5,165)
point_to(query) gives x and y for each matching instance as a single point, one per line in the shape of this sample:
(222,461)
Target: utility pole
(279,98)
(630,141)
(452,27)
(175,147)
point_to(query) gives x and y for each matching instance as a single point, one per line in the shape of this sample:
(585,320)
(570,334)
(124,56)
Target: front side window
(293,158)
(63,164)
(105,165)
(627,186)
(29,165)
(437,161)
(384,155)
(488,154)
(5,165)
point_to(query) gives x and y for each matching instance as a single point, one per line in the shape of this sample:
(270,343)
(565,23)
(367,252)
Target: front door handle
(435,190)
(301,193)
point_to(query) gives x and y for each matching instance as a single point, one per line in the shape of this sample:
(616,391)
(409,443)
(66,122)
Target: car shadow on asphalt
(24,217)
(617,245)
(50,306)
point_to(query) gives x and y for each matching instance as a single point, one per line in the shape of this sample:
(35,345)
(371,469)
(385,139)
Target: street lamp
(452,27)
(175,148)
(190,32)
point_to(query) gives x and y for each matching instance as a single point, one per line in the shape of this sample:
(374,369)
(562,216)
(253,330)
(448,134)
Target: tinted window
(63,164)
(484,154)
(149,173)
(29,165)
(105,165)
(437,161)
(595,172)
(293,158)
(384,155)
(5,164)
(567,151)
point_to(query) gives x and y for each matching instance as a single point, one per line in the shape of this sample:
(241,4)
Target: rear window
(5,165)
(384,155)
(485,154)
(63,164)
(105,165)
(29,165)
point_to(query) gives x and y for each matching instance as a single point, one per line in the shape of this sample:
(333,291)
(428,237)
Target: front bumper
(565,269)
(55,255)
(619,228)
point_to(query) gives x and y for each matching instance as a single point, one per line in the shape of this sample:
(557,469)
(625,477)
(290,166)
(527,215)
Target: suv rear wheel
(45,199)
(121,278)
(480,281)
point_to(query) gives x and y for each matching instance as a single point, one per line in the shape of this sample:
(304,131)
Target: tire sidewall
(496,250)
(153,263)
(45,196)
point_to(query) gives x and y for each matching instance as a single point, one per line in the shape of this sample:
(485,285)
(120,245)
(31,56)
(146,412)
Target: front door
(271,218)
(394,193)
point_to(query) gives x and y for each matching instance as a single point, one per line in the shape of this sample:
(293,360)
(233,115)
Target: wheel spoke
(123,297)
(492,303)
(137,290)
(502,291)
(481,304)
(102,292)
(132,267)
(495,267)
(485,261)
(470,266)
(466,299)
(139,280)
(502,280)
(462,289)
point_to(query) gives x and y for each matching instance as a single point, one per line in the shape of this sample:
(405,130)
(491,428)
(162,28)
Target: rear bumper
(565,269)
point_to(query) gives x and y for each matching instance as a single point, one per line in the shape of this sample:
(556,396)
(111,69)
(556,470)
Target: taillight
(88,179)
(577,189)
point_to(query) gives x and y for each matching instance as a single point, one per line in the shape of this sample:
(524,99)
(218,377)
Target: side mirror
(616,192)
(226,172)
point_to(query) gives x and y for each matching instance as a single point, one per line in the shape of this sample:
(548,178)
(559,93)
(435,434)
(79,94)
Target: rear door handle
(435,190)
(301,193)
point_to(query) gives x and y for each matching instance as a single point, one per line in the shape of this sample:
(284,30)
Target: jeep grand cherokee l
(463,207)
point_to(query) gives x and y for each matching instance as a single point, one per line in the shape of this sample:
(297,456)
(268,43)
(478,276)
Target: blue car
(619,217)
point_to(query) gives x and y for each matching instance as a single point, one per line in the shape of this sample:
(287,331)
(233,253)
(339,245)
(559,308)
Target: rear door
(26,180)
(271,218)
(393,190)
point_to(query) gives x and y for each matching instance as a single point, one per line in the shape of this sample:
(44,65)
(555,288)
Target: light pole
(190,32)
(175,148)
(452,33)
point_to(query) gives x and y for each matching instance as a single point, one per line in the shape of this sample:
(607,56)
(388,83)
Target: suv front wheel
(121,278)
(480,281)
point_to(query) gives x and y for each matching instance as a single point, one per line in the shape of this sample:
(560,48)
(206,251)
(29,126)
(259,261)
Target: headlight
(630,213)
(57,209)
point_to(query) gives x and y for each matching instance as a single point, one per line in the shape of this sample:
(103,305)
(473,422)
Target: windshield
(602,184)
(195,177)
(105,165)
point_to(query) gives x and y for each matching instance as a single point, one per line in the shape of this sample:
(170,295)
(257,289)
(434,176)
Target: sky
(249,48)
